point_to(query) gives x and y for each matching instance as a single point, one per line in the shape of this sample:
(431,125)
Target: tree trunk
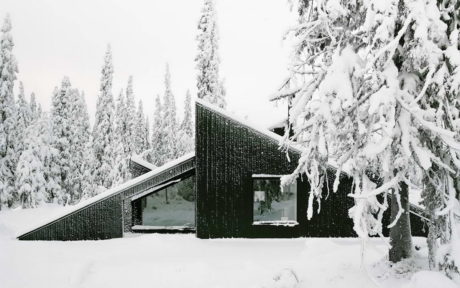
(457,187)
(400,234)
(431,201)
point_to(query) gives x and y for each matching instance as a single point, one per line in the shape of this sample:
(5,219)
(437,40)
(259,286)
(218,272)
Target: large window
(273,203)
(170,206)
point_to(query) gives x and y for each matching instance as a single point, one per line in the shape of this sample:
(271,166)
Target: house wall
(109,217)
(228,153)
(137,170)
(100,220)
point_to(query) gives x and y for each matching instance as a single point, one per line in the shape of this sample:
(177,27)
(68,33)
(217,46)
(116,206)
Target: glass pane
(271,203)
(172,206)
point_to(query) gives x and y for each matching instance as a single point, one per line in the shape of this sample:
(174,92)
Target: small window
(274,204)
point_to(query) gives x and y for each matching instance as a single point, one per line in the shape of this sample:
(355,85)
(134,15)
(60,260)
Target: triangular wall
(228,152)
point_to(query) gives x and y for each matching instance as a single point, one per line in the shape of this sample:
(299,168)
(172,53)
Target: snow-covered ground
(154,260)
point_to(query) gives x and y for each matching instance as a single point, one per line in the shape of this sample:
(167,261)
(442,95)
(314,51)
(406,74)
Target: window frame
(138,198)
(285,223)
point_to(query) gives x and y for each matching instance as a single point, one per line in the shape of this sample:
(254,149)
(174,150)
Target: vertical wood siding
(102,220)
(136,169)
(228,153)
(108,217)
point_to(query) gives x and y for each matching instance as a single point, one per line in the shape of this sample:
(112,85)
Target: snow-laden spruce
(210,86)
(130,119)
(141,136)
(120,171)
(169,119)
(8,71)
(62,137)
(156,154)
(104,128)
(186,139)
(34,113)
(168,139)
(38,177)
(80,139)
(187,122)
(23,119)
(146,135)
(375,89)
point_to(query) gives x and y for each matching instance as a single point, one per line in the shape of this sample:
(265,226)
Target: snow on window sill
(288,223)
(153,228)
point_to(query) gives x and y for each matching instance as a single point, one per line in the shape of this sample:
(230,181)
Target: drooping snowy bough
(374,87)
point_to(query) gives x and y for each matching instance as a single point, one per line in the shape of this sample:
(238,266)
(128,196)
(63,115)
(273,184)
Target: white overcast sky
(54,38)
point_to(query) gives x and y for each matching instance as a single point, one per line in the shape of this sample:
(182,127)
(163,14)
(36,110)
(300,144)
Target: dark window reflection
(171,206)
(271,203)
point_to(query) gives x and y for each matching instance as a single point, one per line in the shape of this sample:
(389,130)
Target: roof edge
(140,161)
(106,194)
(261,130)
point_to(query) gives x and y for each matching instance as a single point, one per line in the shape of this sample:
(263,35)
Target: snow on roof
(138,160)
(110,192)
(262,130)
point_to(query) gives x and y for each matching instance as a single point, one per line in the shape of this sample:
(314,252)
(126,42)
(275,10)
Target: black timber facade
(137,169)
(100,220)
(228,153)
(110,216)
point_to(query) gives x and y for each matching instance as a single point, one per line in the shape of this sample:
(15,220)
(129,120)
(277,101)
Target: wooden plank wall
(136,169)
(228,153)
(102,220)
(106,218)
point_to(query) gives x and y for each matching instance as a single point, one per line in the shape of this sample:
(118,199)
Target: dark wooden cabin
(229,187)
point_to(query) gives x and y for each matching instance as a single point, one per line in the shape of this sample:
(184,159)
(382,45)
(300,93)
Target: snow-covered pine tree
(121,171)
(30,183)
(130,119)
(187,121)
(104,128)
(120,120)
(210,87)
(33,107)
(43,142)
(37,173)
(185,142)
(378,79)
(61,117)
(23,109)
(8,71)
(23,120)
(89,188)
(158,144)
(139,132)
(30,172)
(169,119)
(80,129)
(85,144)
(39,110)
(146,134)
